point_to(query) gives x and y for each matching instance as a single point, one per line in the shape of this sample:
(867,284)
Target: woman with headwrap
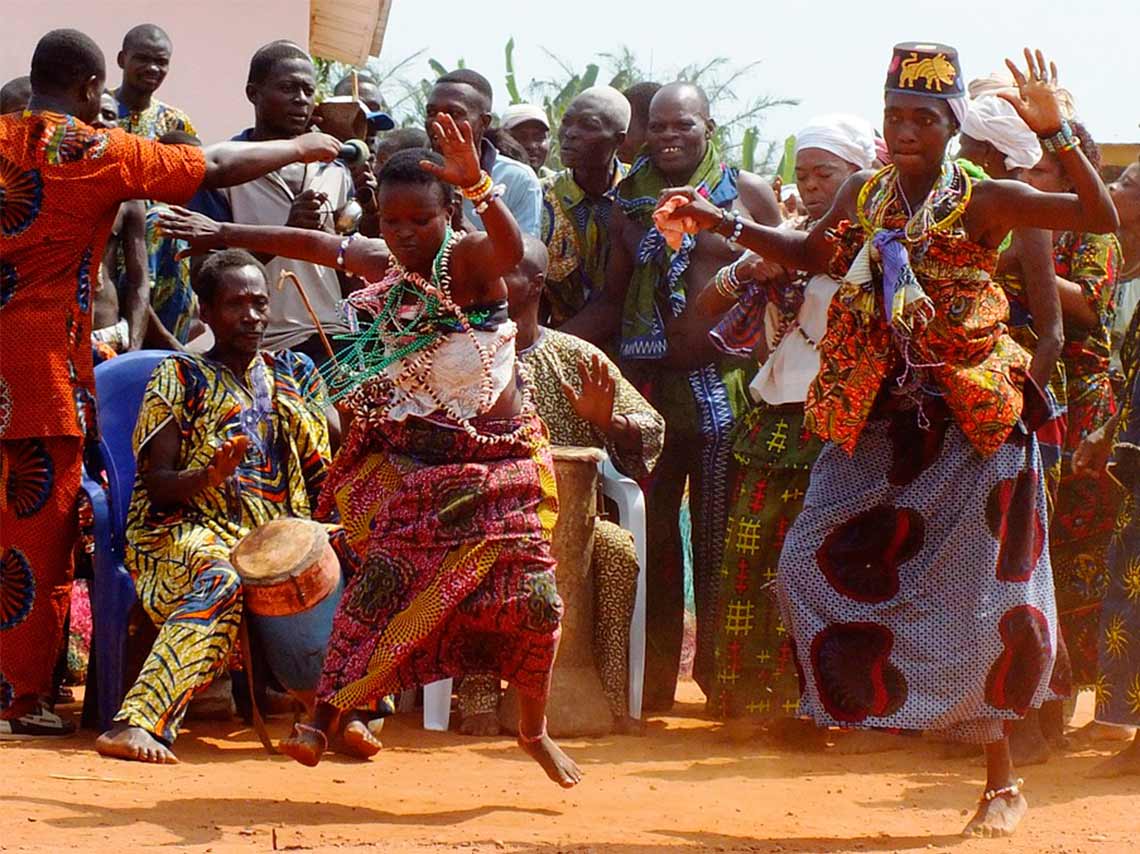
(779,315)
(996,139)
(916,580)
(1118,680)
(1086,266)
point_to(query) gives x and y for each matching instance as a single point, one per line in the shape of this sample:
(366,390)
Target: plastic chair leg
(627,495)
(437,705)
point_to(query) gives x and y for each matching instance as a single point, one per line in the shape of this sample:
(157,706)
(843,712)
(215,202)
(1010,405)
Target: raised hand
(457,146)
(226,460)
(317,148)
(199,231)
(595,403)
(1036,99)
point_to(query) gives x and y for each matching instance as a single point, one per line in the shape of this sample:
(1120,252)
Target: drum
(291,585)
(577,704)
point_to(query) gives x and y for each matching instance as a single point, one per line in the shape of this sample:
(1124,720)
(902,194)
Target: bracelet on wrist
(344,244)
(1063,140)
(479,189)
(737,227)
(481,204)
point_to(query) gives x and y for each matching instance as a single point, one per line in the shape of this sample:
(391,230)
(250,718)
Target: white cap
(516,114)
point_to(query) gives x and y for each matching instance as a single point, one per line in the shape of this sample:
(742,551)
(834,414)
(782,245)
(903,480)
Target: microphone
(355,152)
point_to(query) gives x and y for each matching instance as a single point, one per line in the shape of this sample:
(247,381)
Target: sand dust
(682,787)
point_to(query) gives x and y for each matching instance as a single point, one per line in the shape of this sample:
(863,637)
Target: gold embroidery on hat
(937,71)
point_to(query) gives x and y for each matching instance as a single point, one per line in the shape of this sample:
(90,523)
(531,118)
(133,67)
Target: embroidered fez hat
(931,70)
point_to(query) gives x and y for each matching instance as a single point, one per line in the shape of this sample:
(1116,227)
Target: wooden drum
(577,705)
(291,584)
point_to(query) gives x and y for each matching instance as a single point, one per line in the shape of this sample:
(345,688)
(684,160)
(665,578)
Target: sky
(831,55)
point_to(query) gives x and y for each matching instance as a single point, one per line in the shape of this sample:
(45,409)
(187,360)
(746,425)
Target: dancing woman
(916,580)
(444,482)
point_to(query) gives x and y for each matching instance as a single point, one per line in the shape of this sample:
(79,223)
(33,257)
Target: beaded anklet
(1012,790)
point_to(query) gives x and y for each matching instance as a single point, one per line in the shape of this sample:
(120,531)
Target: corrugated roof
(347,30)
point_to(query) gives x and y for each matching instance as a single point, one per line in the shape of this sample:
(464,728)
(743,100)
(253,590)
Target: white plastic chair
(626,494)
(437,704)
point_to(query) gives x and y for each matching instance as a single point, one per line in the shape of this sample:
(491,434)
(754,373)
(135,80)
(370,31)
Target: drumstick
(308,307)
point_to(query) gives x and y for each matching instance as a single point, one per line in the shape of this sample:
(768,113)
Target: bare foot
(1095,731)
(739,731)
(1124,764)
(357,739)
(1027,744)
(864,741)
(134,743)
(625,725)
(482,724)
(960,750)
(305,744)
(558,766)
(798,734)
(998,817)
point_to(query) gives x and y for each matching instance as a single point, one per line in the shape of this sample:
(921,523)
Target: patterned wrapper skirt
(456,575)
(916,583)
(772,457)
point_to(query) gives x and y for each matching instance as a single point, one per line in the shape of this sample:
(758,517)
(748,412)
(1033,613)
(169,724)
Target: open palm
(456,145)
(1036,99)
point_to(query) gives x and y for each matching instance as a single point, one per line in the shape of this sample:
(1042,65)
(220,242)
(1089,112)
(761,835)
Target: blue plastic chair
(119,387)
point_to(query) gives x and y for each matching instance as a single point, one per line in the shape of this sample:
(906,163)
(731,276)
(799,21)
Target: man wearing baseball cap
(528,124)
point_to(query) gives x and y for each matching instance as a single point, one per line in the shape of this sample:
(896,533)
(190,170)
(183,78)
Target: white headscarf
(994,120)
(848,137)
(1002,81)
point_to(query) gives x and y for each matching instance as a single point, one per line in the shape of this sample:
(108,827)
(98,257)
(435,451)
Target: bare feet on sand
(305,744)
(134,743)
(359,739)
(1095,731)
(483,724)
(998,817)
(1124,764)
(558,766)
(1027,744)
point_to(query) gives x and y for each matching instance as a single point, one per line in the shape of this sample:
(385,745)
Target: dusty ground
(682,787)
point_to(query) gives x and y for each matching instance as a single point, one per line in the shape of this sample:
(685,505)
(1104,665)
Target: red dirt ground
(682,787)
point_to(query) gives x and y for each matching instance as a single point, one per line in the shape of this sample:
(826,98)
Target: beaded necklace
(413,319)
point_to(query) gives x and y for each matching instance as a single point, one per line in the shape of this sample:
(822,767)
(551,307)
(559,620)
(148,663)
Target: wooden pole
(289,274)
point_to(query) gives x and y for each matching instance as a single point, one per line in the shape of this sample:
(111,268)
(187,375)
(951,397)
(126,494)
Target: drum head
(571,453)
(278,550)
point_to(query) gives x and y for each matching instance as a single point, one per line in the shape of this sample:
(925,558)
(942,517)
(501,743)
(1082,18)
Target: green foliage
(739,121)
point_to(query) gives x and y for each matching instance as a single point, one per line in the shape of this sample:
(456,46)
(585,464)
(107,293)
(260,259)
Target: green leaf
(748,149)
(437,67)
(512,85)
(787,170)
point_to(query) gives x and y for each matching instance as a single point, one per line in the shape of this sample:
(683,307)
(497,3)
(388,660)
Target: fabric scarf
(574,228)
(657,287)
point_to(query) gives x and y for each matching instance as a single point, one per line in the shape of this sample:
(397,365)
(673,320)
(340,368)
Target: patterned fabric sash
(657,287)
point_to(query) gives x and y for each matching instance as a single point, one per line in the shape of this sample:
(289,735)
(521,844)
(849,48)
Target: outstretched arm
(365,257)
(230,163)
(810,252)
(1011,203)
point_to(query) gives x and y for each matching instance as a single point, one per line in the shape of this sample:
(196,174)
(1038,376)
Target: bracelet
(344,244)
(1062,140)
(479,189)
(482,204)
(1012,790)
(725,285)
(737,228)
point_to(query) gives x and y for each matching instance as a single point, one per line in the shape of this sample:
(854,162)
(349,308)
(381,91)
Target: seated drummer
(585,402)
(226,441)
